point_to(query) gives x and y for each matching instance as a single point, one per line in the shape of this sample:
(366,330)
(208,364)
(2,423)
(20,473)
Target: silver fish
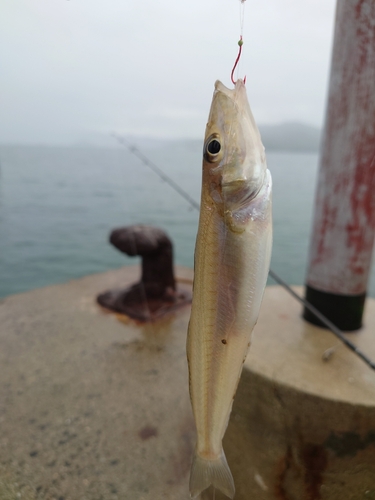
(232,257)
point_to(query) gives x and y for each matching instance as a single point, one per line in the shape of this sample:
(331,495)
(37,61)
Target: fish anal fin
(205,473)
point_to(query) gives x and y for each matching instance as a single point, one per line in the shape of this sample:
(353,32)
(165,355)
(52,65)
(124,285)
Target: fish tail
(206,472)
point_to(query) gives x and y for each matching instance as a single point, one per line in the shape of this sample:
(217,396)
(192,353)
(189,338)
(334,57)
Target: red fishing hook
(240,43)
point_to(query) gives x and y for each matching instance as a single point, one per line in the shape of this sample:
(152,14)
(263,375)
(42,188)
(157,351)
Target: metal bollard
(157,293)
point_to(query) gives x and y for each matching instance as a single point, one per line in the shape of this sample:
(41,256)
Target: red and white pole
(344,225)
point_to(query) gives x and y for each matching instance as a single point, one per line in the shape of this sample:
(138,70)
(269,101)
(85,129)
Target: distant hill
(291,136)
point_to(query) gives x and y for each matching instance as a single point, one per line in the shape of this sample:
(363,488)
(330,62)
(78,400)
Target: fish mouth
(237,94)
(220,87)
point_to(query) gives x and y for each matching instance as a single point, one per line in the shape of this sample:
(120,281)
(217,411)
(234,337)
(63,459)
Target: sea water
(59,204)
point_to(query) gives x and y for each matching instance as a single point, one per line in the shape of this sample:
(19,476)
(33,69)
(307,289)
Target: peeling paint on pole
(344,225)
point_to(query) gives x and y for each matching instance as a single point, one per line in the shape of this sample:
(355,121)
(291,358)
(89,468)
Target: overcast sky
(147,67)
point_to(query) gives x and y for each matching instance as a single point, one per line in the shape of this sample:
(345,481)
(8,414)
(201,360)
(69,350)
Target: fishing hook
(240,43)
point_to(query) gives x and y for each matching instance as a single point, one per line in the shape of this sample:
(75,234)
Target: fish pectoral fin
(206,472)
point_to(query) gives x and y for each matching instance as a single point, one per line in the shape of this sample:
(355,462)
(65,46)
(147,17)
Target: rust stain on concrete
(315,461)
(310,476)
(283,466)
(147,432)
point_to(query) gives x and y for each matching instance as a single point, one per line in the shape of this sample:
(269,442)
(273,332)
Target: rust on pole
(344,224)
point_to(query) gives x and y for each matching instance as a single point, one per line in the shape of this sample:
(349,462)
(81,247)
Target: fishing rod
(146,161)
(331,326)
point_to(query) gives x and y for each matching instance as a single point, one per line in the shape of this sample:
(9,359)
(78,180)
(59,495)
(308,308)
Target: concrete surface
(309,423)
(96,408)
(91,407)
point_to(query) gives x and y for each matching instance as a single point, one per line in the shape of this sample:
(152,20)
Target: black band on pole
(345,311)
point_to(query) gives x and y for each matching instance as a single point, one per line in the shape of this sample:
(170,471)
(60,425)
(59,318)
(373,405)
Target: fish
(231,264)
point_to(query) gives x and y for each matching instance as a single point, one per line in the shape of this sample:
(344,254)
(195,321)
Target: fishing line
(146,161)
(240,42)
(235,104)
(230,135)
(242,14)
(147,310)
(333,328)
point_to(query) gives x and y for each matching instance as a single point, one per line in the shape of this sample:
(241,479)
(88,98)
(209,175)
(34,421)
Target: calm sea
(58,205)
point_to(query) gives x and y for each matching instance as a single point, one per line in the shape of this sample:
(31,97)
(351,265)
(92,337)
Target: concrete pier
(94,407)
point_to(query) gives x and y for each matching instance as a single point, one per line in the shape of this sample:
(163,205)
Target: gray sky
(75,67)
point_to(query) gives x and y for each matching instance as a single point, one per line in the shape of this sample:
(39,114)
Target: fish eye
(212,149)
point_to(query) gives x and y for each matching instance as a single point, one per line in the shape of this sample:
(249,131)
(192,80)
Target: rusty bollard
(157,293)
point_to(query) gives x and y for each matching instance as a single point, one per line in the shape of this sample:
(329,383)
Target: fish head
(234,162)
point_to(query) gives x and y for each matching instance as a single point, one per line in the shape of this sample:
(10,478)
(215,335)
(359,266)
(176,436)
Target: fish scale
(231,264)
